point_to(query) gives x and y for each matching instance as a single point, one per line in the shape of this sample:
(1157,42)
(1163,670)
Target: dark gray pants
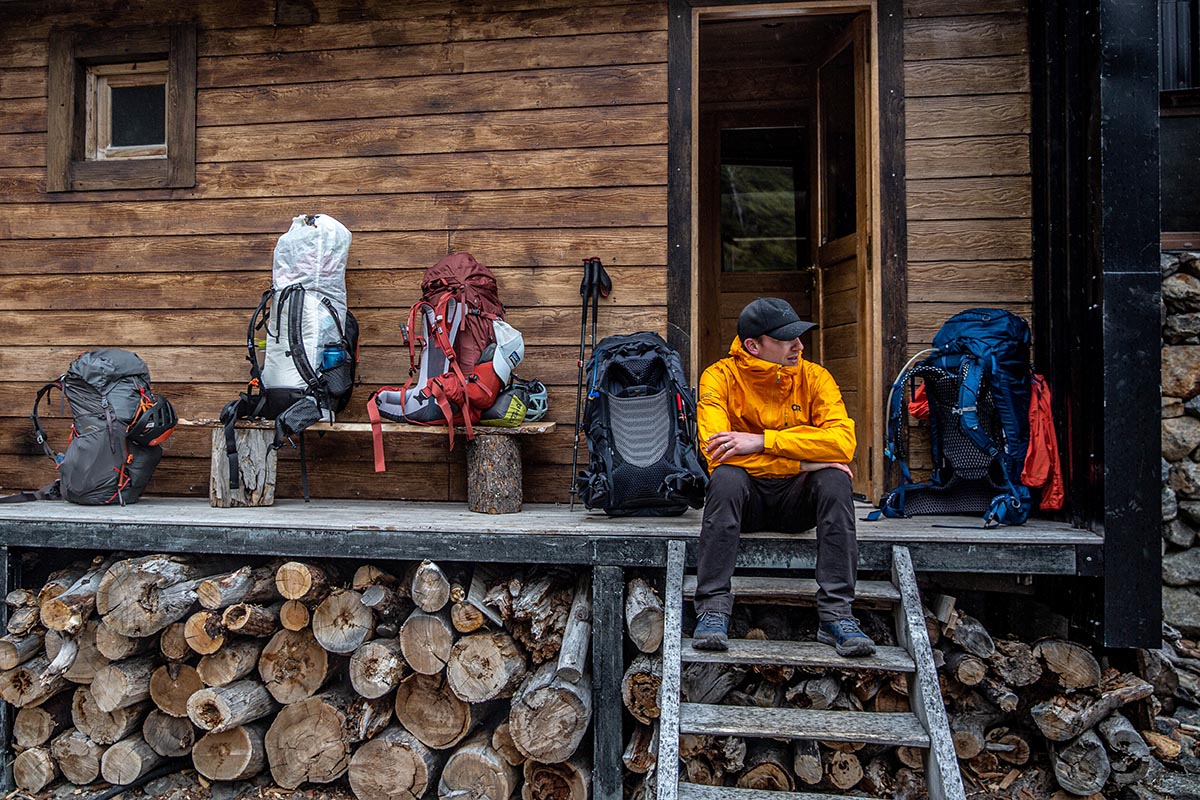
(738,502)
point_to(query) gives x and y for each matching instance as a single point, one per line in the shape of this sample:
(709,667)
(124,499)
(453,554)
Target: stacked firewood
(1036,718)
(1027,719)
(406,679)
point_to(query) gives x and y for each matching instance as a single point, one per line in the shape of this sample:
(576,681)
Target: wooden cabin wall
(531,133)
(967,121)
(967,151)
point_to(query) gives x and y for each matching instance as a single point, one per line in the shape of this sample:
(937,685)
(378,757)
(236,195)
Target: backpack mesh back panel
(966,480)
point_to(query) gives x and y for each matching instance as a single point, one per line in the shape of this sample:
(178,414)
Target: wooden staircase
(924,727)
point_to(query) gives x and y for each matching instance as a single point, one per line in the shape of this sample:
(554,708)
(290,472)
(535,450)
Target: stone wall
(1181,439)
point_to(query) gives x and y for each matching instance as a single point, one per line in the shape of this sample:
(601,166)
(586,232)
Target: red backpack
(467,352)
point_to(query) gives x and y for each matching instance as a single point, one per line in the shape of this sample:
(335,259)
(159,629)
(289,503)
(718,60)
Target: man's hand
(727,444)
(813,466)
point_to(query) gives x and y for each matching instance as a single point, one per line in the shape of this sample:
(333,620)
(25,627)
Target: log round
(484,666)
(116,646)
(168,736)
(297,580)
(550,716)
(31,683)
(233,661)
(639,688)
(171,685)
(293,666)
(34,769)
(426,640)
(222,708)
(232,755)
(245,585)
(102,727)
(377,667)
(249,619)
(1073,665)
(644,616)
(141,596)
(77,756)
(426,707)
(294,615)
(173,644)
(430,587)
(123,683)
(477,771)
(204,632)
(33,726)
(502,743)
(87,658)
(308,740)
(843,770)
(567,781)
(341,622)
(1082,766)
(15,650)
(128,760)
(395,765)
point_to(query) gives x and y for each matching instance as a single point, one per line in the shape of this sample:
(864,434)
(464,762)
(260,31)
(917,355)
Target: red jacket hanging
(1042,467)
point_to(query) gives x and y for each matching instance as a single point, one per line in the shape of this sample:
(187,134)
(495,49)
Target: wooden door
(841,233)
(754,208)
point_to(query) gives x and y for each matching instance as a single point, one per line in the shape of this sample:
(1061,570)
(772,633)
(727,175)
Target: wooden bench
(494,483)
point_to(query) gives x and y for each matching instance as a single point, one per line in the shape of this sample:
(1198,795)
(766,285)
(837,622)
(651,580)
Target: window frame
(72,53)
(101,80)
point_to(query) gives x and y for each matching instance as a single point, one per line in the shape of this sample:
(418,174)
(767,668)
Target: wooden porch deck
(539,534)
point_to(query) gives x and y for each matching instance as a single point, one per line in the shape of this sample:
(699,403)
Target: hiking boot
(846,637)
(712,631)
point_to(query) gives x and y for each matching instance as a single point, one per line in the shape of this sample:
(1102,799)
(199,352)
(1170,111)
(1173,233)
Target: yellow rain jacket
(799,411)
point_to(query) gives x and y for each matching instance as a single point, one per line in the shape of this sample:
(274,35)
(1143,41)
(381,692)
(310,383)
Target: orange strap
(376,429)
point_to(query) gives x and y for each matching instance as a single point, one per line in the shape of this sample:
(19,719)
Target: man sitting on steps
(778,441)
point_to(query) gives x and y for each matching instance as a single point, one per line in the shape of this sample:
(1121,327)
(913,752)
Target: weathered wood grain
(966,198)
(545,208)
(972,114)
(965,37)
(431,133)
(966,76)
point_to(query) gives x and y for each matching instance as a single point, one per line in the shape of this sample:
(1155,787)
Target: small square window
(127,111)
(122,109)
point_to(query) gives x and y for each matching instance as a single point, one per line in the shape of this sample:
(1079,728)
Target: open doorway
(783,191)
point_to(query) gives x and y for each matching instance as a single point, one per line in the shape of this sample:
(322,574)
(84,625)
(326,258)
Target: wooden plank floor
(389,529)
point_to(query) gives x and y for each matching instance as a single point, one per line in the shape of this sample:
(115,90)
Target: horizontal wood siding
(967,124)
(531,133)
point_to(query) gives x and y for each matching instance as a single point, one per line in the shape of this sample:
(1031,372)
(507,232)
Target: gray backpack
(118,425)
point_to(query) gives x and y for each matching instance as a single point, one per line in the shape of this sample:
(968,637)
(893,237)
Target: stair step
(696,791)
(799,654)
(795,591)
(871,727)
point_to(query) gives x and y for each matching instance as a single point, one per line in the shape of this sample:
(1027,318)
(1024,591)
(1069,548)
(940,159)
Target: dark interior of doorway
(756,171)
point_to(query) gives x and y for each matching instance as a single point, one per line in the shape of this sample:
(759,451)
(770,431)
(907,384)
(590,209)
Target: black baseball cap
(771,316)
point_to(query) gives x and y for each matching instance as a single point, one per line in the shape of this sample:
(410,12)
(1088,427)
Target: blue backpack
(977,380)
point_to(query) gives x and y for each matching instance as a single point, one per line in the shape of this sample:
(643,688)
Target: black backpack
(118,425)
(640,421)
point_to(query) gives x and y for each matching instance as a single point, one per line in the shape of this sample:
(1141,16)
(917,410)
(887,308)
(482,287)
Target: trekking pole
(585,290)
(601,287)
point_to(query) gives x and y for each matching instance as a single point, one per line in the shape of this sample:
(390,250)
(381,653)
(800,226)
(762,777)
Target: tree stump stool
(494,475)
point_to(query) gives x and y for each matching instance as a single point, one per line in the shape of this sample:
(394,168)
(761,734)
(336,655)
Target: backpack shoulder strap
(259,319)
(37,422)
